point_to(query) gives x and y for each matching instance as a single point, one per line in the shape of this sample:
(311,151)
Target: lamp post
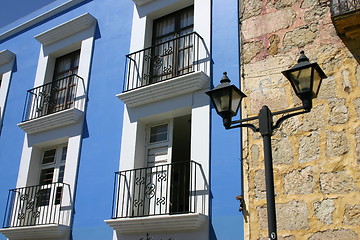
(305,78)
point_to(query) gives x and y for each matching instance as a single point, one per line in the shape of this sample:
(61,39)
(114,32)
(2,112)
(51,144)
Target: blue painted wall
(227,221)
(102,133)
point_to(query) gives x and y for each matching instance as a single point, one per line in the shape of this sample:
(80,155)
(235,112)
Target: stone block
(251,8)
(315,14)
(300,181)
(313,120)
(357,147)
(337,143)
(309,147)
(267,23)
(324,211)
(279,4)
(352,215)
(346,81)
(274,98)
(357,107)
(336,182)
(259,184)
(327,88)
(308,3)
(290,216)
(250,50)
(282,151)
(274,41)
(255,153)
(300,36)
(339,113)
(335,234)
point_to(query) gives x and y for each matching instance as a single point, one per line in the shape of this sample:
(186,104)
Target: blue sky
(11,10)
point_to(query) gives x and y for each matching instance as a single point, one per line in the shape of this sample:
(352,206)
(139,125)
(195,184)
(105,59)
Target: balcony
(345,15)
(53,105)
(41,211)
(171,68)
(158,198)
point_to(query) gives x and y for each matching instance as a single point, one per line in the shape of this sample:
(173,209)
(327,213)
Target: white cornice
(36,232)
(51,121)
(39,18)
(6,56)
(66,29)
(160,223)
(166,89)
(142,2)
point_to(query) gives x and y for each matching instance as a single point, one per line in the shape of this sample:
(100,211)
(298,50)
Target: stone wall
(316,155)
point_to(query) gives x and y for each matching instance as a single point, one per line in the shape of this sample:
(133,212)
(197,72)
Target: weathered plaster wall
(316,155)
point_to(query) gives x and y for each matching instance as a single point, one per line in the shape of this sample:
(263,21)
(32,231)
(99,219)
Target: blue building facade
(66,120)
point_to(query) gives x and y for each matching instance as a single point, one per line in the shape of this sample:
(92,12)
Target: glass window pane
(159,133)
(63,154)
(49,156)
(61,174)
(46,176)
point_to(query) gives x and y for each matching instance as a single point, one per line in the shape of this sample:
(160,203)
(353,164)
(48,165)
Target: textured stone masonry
(316,155)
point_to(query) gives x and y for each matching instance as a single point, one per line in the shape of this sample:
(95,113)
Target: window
(52,171)
(173,45)
(60,93)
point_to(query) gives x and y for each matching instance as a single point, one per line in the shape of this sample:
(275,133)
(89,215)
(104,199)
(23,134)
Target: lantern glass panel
(236,99)
(301,80)
(317,81)
(221,100)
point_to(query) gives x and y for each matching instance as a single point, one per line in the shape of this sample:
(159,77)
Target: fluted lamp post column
(305,78)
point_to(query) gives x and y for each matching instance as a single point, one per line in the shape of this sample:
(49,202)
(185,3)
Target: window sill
(52,121)
(35,232)
(166,89)
(160,223)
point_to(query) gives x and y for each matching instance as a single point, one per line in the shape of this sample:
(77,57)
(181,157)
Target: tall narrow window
(63,85)
(173,45)
(52,171)
(60,93)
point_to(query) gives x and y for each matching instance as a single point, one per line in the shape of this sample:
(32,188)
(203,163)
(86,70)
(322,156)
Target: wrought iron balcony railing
(340,7)
(51,97)
(175,188)
(173,58)
(38,205)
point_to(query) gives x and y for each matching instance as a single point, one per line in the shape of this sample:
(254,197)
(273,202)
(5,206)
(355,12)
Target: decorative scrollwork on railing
(157,62)
(339,7)
(29,206)
(150,190)
(138,203)
(169,50)
(139,180)
(150,238)
(161,177)
(161,201)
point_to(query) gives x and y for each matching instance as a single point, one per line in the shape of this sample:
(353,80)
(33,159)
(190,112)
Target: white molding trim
(165,89)
(142,2)
(159,223)
(66,30)
(6,56)
(51,121)
(36,232)
(39,18)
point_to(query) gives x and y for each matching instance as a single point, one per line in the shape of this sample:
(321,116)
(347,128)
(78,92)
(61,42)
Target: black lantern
(226,99)
(305,78)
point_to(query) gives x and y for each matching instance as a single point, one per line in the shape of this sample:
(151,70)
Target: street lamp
(305,78)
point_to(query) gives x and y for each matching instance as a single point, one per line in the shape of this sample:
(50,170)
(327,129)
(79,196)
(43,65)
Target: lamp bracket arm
(245,120)
(248,125)
(288,110)
(283,118)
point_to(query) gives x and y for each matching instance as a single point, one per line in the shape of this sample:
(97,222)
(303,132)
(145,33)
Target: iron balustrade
(173,58)
(51,97)
(339,7)
(38,205)
(175,188)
